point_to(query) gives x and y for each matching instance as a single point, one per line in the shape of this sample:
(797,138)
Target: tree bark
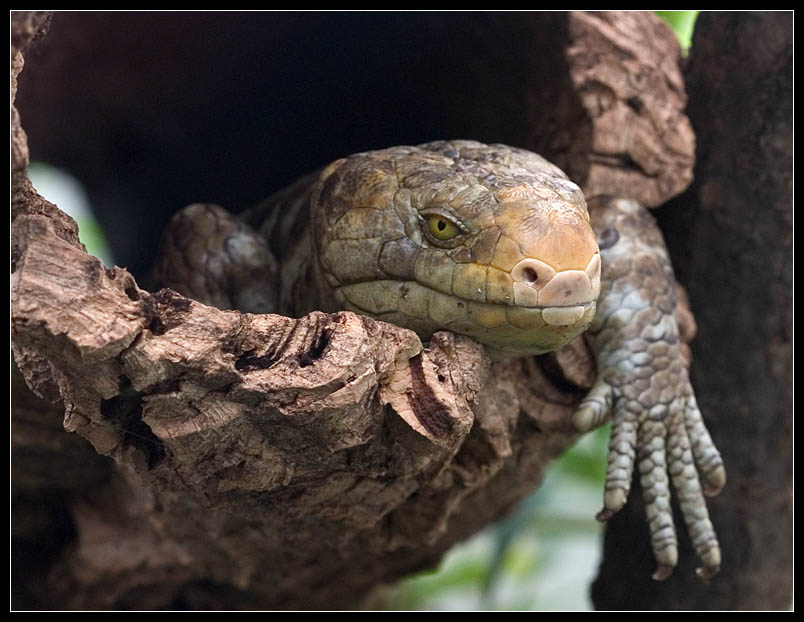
(263,461)
(731,237)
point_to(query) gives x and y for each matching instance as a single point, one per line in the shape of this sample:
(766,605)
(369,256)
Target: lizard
(496,243)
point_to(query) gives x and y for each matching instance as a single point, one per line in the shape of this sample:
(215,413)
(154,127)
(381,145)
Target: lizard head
(489,241)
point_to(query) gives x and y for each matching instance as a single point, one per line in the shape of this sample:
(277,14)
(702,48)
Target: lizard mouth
(537,310)
(503,326)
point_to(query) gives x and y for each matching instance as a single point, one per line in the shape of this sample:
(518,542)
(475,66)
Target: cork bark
(226,460)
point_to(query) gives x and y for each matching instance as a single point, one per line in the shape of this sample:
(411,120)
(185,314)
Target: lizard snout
(562,295)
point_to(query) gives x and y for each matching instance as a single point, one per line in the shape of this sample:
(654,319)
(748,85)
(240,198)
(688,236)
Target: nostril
(533,273)
(530,275)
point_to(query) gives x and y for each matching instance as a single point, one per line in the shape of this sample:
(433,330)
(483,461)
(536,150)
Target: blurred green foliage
(683,24)
(67,193)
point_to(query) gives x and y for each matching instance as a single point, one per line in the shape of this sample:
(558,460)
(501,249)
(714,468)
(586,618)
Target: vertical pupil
(441,225)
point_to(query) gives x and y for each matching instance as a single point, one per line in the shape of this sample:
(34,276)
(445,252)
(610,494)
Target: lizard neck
(283,221)
(303,287)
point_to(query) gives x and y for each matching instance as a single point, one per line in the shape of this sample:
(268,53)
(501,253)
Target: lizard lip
(556,312)
(564,315)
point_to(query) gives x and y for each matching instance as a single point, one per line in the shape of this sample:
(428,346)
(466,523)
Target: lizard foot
(644,389)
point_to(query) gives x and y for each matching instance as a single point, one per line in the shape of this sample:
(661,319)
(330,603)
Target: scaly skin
(643,386)
(496,243)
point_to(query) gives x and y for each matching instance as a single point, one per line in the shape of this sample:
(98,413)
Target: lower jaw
(531,334)
(506,330)
(525,331)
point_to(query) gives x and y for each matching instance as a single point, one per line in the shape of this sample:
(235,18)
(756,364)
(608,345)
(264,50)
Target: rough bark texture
(261,461)
(255,463)
(732,236)
(625,69)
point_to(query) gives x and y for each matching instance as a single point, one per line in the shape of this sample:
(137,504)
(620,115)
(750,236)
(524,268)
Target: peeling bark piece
(434,396)
(276,421)
(625,67)
(248,438)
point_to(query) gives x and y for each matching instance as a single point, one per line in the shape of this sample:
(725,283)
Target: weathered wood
(731,237)
(270,433)
(625,68)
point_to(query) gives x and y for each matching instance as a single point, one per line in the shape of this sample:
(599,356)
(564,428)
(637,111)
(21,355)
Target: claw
(595,409)
(615,499)
(705,573)
(604,515)
(662,572)
(583,419)
(714,481)
(707,458)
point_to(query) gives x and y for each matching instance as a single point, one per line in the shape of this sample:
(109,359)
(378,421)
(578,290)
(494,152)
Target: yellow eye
(441,228)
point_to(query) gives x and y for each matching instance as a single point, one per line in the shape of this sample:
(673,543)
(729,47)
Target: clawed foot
(644,389)
(657,440)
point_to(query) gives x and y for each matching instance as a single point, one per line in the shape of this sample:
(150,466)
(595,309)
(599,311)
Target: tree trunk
(731,237)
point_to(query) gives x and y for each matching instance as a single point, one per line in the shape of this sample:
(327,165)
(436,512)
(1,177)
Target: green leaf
(683,24)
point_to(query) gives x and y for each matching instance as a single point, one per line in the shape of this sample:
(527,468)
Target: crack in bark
(430,412)
(125,411)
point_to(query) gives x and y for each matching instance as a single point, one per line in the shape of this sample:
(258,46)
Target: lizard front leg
(209,255)
(644,388)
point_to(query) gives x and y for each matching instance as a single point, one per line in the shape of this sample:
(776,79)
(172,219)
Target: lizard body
(496,243)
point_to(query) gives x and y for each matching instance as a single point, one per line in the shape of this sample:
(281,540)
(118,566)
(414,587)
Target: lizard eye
(442,228)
